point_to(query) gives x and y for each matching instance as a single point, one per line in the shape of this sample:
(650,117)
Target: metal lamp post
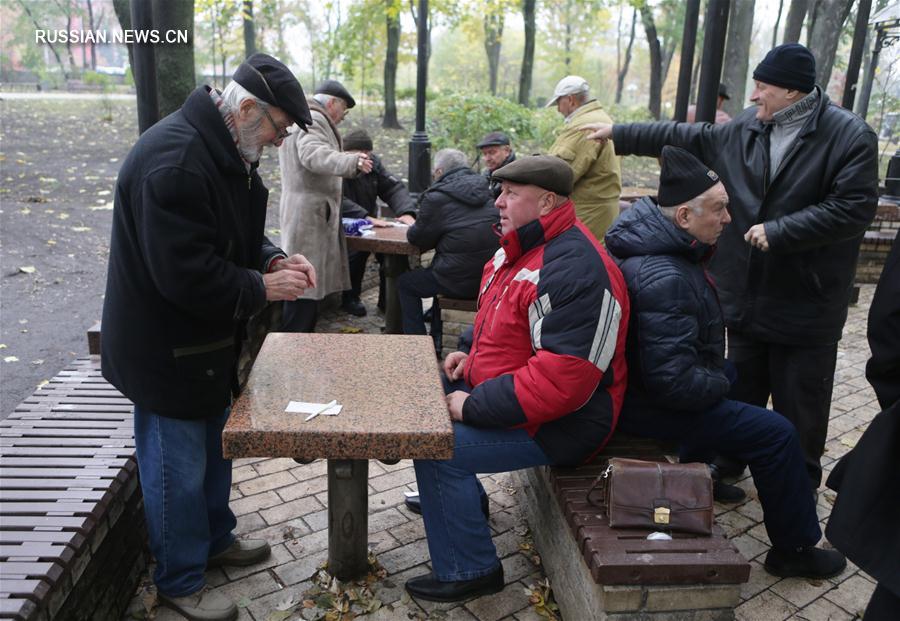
(419,145)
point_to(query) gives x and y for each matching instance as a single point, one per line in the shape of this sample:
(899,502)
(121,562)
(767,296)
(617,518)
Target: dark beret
(545,171)
(493,139)
(357,140)
(335,89)
(272,82)
(682,177)
(723,91)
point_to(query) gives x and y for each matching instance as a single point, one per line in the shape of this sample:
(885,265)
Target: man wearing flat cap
(679,380)
(188,265)
(802,176)
(313,166)
(598,179)
(544,377)
(721,115)
(496,151)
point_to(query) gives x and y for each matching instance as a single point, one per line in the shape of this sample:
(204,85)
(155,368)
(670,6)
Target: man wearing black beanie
(678,378)
(802,177)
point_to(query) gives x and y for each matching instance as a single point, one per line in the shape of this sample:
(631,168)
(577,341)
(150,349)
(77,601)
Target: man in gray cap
(496,151)
(313,166)
(541,385)
(598,182)
(802,174)
(188,265)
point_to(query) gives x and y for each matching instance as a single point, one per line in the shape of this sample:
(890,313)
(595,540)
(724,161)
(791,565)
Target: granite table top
(389,386)
(387,240)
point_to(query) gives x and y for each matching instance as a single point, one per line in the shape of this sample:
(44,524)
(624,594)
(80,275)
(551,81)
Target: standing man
(188,265)
(495,151)
(543,380)
(598,182)
(360,200)
(312,165)
(802,174)
(721,115)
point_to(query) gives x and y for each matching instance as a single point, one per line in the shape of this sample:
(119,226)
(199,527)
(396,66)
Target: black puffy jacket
(456,217)
(676,336)
(361,193)
(815,209)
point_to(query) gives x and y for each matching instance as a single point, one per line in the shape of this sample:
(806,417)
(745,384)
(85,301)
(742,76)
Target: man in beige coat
(598,181)
(312,170)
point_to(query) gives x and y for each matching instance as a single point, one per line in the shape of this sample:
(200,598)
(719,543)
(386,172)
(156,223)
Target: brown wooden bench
(600,572)
(72,535)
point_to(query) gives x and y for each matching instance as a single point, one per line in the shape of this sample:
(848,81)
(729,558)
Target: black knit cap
(272,82)
(493,139)
(335,89)
(545,171)
(790,66)
(357,140)
(682,177)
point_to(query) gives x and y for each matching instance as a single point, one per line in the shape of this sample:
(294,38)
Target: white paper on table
(400,224)
(302,407)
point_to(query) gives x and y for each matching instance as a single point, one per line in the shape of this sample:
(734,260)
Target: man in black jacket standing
(188,265)
(678,379)
(360,200)
(456,217)
(802,176)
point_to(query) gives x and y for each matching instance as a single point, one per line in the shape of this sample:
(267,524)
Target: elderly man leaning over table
(543,380)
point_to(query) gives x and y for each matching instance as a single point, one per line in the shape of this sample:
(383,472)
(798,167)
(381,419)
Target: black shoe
(813,563)
(415,505)
(429,588)
(354,307)
(729,468)
(728,494)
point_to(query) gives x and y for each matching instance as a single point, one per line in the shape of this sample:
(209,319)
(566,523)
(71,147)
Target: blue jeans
(759,437)
(411,288)
(459,538)
(186,484)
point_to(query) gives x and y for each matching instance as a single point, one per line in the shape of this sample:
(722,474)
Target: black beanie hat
(271,81)
(682,177)
(790,66)
(357,140)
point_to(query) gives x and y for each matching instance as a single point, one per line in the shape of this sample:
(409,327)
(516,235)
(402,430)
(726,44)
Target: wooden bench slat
(24,570)
(66,451)
(54,484)
(41,536)
(83,409)
(36,551)
(31,522)
(60,473)
(16,608)
(61,432)
(72,442)
(17,461)
(38,398)
(70,423)
(48,415)
(51,508)
(28,495)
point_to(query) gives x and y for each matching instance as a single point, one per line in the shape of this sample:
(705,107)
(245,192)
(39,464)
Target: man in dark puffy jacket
(456,218)
(678,381)
(360,200)
(802,176)
(543,380)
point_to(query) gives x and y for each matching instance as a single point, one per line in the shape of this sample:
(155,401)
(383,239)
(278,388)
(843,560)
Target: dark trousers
(761,438)
(300,316)
(799,379)
(357,263)
(883,606)
(411,288)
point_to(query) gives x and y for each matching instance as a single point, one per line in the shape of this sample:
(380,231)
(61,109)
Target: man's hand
(299,263)
(285,285)
(756,237)
(378,222)
(455,401)
(407,219)
(455,365)
(601,132)
(364,164)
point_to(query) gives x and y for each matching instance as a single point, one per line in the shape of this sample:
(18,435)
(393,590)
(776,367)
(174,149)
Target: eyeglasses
(280,134)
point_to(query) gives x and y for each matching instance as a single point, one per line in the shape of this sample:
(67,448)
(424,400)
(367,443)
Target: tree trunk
(249,30)
(93,27)
(528,12)
(390,120)
(737,53)
(68,12)
(827,19)
(655,102)
(794,22)
(122,9)
(37,26)
(567,58)
(493,33)
(174,61)
(620,79)
(777,23)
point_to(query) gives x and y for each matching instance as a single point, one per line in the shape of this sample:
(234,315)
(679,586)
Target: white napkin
(302,407)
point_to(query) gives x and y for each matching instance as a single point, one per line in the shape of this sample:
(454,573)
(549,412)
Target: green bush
(92,78)
(460,121)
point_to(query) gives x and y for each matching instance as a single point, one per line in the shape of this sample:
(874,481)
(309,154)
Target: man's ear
(682,216)
(245,107)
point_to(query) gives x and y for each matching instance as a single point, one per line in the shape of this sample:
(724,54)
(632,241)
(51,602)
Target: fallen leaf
(27,269)
(36,362)
(11,359)
(42,383)
(25,211)
(81,229)
(105,207)
(243,602)
(350,330)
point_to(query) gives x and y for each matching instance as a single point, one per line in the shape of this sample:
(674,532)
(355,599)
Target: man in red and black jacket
(543,380)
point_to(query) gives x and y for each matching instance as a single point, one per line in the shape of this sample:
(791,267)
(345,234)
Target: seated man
(361,194)
(544,377)
(496,153)
(676,357)
(456,218)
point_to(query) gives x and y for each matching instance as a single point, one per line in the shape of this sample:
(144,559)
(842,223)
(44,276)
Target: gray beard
(248,139)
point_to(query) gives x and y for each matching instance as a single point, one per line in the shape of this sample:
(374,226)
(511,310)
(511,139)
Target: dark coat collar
(759,127)
(200,111)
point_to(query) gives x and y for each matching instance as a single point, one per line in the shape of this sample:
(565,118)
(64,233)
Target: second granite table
(393,408)
(392,243)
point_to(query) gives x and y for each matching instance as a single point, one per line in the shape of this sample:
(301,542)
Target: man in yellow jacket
(598,180)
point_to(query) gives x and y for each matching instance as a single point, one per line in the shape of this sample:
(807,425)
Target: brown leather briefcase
(659,496)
